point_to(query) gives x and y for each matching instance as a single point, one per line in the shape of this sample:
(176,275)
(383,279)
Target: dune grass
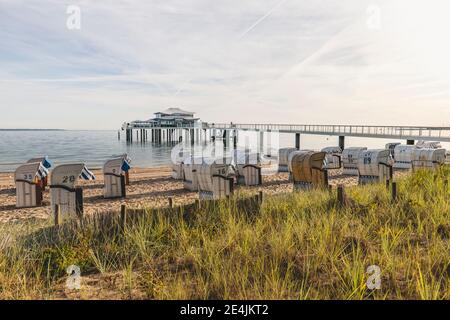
(298,246)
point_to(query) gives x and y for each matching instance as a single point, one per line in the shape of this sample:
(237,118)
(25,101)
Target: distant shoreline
(32,129)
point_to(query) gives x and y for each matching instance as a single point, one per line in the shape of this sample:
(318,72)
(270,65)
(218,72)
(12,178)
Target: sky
(250,61)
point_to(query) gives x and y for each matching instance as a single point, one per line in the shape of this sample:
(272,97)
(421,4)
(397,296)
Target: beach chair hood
(68,174)
(30,172)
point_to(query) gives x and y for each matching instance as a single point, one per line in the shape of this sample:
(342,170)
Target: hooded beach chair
(333,158)
(375,166)
(28,179)
(64,189)
(247,168)
(114,172)
(283,156)
(306,168)
(215,181)
(403,156)
(428,158)
(350,158)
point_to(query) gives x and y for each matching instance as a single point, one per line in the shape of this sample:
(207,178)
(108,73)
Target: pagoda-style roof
(175,111)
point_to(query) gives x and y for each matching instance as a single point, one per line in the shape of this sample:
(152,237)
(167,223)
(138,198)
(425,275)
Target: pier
(147,131)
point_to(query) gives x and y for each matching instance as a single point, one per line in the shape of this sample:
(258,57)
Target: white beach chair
(114,177)
(350,158)
(64,190)
(28,187)
(215,181)
(374,166)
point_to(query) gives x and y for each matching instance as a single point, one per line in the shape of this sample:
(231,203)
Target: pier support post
(342,142)
(410,142)
(235,138)
(297,141)
(261,142)
(192,132)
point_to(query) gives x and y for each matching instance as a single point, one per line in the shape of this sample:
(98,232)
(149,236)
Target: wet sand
(148,187)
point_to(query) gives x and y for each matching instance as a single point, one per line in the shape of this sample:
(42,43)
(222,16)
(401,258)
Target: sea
(94,147)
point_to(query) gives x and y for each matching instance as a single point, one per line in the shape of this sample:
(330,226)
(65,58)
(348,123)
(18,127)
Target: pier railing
(388,132)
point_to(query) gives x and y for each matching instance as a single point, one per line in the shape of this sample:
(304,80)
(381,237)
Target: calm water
(90,147)
(94,147)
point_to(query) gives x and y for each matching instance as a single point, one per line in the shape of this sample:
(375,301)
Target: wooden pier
(210,131)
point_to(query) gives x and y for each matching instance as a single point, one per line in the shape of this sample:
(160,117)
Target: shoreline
(149,187)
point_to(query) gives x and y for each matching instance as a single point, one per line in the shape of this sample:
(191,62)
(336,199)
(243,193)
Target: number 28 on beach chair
(28,188)
(114,172)
(64,189)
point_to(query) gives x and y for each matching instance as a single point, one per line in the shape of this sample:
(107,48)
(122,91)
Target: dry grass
(299,246)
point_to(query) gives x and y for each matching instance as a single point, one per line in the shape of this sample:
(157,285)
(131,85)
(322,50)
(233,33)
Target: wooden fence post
(170,202)
(197,203)
(394,191)
(123,216)
(57,214)
(341,195)
(388,184)
(260,197)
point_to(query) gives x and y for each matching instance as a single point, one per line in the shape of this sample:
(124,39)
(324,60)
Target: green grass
(298,246)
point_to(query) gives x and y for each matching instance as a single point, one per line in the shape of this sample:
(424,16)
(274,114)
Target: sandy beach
(148,187)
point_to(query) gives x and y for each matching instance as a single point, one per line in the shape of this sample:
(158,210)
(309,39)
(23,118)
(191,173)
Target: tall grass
(298,246)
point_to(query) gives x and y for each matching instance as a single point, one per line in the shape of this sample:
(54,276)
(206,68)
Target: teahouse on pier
(175,124)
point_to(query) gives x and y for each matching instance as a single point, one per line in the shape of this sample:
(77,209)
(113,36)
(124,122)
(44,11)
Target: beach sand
(148,187)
